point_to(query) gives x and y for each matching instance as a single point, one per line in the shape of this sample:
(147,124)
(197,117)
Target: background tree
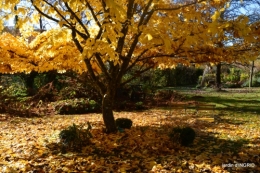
(250,9)
(229,31)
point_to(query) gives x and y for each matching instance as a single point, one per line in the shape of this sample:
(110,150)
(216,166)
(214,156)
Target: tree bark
(205,72)
(107,111)
(168,74)
(251,75)
(218,76)
(30,83)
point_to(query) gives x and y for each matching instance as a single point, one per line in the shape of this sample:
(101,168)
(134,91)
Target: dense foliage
(75,137)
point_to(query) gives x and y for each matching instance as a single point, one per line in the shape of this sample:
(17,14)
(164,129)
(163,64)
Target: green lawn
(242,99)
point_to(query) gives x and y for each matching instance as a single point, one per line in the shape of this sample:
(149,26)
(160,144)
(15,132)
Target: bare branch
(102,66)
(45,15)
(179,7)
(93,14)
(124,30)
(77,18)
(145,12)
(74,38)
(69,25)
(96,20)
(133,77)
(55,8)
(99,84)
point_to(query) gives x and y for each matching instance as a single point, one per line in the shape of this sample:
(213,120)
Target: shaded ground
(32,144)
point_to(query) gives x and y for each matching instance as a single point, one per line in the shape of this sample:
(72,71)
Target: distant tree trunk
(0,81)
(218,76)
(107,109)
(251,75)
(41,24)
(169,78)
(29,82)
(16,18)
(205,72)
(51,76)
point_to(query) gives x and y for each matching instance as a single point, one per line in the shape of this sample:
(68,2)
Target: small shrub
(93,104)
(255,83)
(74,137)
(139,105)
(76,106)
(231,85)
(185,136)
(198,86)
(244,76)
(164,94)
(124,123)
(12,85)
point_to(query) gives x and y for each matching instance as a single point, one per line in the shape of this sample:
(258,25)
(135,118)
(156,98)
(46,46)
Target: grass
(241,99)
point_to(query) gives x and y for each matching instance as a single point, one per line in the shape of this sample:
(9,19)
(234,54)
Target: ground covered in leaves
(225,142)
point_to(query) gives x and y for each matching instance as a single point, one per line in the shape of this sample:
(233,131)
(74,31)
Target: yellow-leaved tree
(107,38)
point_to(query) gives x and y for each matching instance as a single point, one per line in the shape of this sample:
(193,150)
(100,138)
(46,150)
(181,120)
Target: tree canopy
(108,38)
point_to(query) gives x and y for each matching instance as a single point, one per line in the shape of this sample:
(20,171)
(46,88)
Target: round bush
(124,123)
(185,136)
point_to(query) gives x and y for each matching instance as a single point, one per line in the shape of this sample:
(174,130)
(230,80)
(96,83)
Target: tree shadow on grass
(232,121)
(232,104)
(210,116)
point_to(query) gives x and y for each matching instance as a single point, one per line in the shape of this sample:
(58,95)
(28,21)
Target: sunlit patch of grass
(236,99)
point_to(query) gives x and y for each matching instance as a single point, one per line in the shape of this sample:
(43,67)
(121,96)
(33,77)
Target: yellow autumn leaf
(149,37)
(215,16)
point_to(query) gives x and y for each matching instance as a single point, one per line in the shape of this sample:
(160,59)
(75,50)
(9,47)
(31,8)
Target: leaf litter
(32,144)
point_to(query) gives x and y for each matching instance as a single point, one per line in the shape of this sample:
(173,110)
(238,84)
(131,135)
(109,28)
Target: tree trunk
(205,72)
(251,75)
(107,110)
(41,24)
(218,76)
(30,83)
(51,76)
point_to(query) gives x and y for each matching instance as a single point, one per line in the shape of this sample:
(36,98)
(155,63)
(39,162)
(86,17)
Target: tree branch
(94,78)
(138,58)
(124,30)
(96,20)
(55,8)
(179,7)
(145,12)
(45,15)
(134,77)
(94,15)
(69,25)
(74,38)
(78,20)
(102,66)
